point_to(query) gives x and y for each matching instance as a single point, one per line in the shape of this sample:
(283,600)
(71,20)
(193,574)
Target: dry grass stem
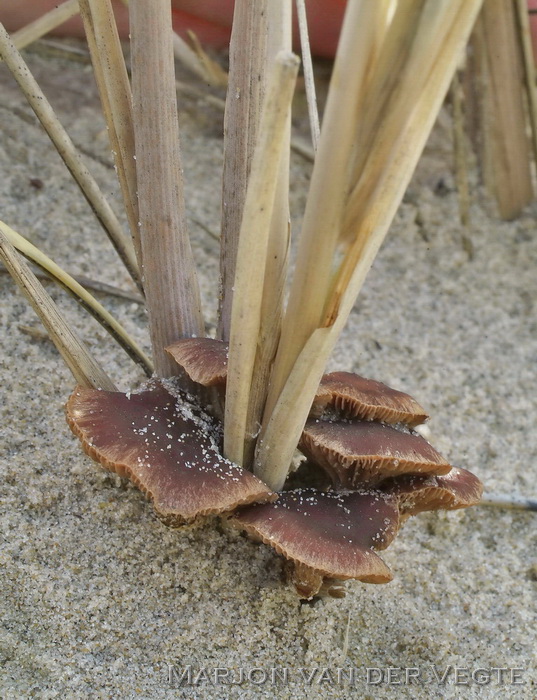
(387,67)
(196,61)
(397,107)
(94,285)
(279,39)
(452,23)
(506,152)
(302,147)
(116,99)
(329,184)
(189,59)
(529,67)
(280,434)
(247,60)
(68,152)
(56,48)
(45,24)
(253,245)
(169,276)
(104,288)
(212,72)
(439,43)
(308,72)
(91,304)
(85,369)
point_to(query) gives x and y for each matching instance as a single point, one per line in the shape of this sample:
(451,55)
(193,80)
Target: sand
(100,600)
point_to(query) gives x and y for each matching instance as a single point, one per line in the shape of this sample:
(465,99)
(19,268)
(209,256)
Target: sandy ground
(100,600)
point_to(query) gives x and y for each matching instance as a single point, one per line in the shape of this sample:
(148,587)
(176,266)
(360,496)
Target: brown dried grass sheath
(165,446)
(360,452)
(169,274)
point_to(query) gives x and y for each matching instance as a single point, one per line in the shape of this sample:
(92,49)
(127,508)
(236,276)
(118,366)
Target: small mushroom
(166,446)
(326,535)
(354,453)
(352,396)
(203,359)
(458,488)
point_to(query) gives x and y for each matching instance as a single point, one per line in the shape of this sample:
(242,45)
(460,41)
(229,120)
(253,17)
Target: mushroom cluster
(379,470)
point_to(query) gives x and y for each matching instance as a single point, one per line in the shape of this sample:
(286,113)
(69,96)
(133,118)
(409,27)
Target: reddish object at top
(210,20)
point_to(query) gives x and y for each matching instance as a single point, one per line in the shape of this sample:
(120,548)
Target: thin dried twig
(300,146)
(169,275)
(308,72)
(493,500)
(109,289)
(34,332)
(91,304)
(69,154)
(188,58)
(116,99)
(85,369)
(460,151)
(211,72)
(95,285)
(77,53)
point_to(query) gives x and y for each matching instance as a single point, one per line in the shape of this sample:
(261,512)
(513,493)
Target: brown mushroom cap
(362,452)
(458,488)
(203,359)
(334,534)
(164,445)
(353,396)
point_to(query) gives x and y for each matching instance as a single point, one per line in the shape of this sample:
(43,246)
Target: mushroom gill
(353,396)
(326,535)
(356,453)
(166,446)
(458,488)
